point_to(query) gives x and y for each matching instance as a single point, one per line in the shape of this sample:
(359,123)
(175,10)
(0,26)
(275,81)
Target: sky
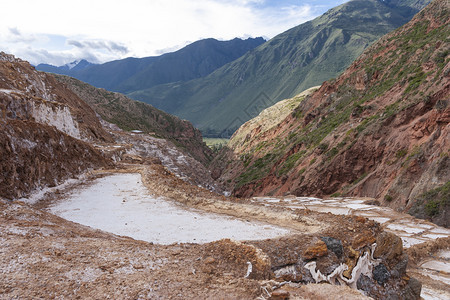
(58,32)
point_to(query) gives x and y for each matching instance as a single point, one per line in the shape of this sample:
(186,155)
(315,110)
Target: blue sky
(58,32)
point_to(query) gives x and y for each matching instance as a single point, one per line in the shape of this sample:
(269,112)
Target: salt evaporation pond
(122,205)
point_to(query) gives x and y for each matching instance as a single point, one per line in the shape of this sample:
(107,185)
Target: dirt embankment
(60,258)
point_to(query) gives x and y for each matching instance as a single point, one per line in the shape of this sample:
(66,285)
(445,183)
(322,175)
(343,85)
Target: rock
(400,268)
(364,283)
(388,246)
(351,263)
(289,273)
(279,295)
(318,250)
(372,202)
(360,219)
(381,274)
(363,239)
(412,290)
(209,260)
(334,245)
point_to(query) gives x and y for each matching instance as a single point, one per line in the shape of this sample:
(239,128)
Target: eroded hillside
(134,115)
(45,131)
(49,134)
(380,130)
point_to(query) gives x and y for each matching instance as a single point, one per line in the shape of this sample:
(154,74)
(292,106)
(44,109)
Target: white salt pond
(121,204)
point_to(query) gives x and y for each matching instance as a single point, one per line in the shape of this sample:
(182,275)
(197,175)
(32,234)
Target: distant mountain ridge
(193,61)
(289,63)
(74,66)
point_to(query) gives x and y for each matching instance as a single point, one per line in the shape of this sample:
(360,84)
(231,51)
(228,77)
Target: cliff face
(30,95)
(44,130)
(380,130)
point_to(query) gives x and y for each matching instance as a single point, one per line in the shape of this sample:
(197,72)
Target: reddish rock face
(379,130)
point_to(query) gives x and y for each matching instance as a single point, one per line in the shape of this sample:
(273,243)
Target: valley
(324,189)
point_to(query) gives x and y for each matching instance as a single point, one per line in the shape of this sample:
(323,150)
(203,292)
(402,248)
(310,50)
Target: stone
(412,290)
(288,273)
(334,245)
(319,249)
(388,246)
(381,274)
(364,283)
(279,295)
(400,268)
(351,263)
(209,260)
(363,239)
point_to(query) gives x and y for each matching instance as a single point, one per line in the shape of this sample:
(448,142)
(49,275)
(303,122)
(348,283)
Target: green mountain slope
(193,61)
(291,62)
(379,130)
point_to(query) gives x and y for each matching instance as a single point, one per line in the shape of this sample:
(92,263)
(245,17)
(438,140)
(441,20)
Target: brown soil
(46,256)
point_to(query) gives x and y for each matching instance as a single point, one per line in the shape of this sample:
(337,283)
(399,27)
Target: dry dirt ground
(44,256)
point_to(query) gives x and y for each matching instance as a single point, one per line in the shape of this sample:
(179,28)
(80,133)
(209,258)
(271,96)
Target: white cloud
(113,29)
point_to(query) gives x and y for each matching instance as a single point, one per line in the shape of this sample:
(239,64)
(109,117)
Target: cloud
(16,36)
(111,46)
(114,29)
(14,31)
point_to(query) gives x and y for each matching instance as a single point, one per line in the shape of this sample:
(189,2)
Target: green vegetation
(332,153)
(256,171)
(290,162)
(216,143)
(401,153)
(433,205)
(289,63)
(360,178)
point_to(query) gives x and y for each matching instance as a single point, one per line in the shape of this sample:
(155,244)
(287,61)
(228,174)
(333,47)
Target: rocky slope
(301,57)
(49,134)
(381,129)
(134,115)
(46,131)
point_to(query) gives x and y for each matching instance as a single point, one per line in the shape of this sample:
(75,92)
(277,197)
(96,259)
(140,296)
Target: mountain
(291,62)
(46,131)
(129,115)
(380,130)
(49,133)
(193,61)
(69,68)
